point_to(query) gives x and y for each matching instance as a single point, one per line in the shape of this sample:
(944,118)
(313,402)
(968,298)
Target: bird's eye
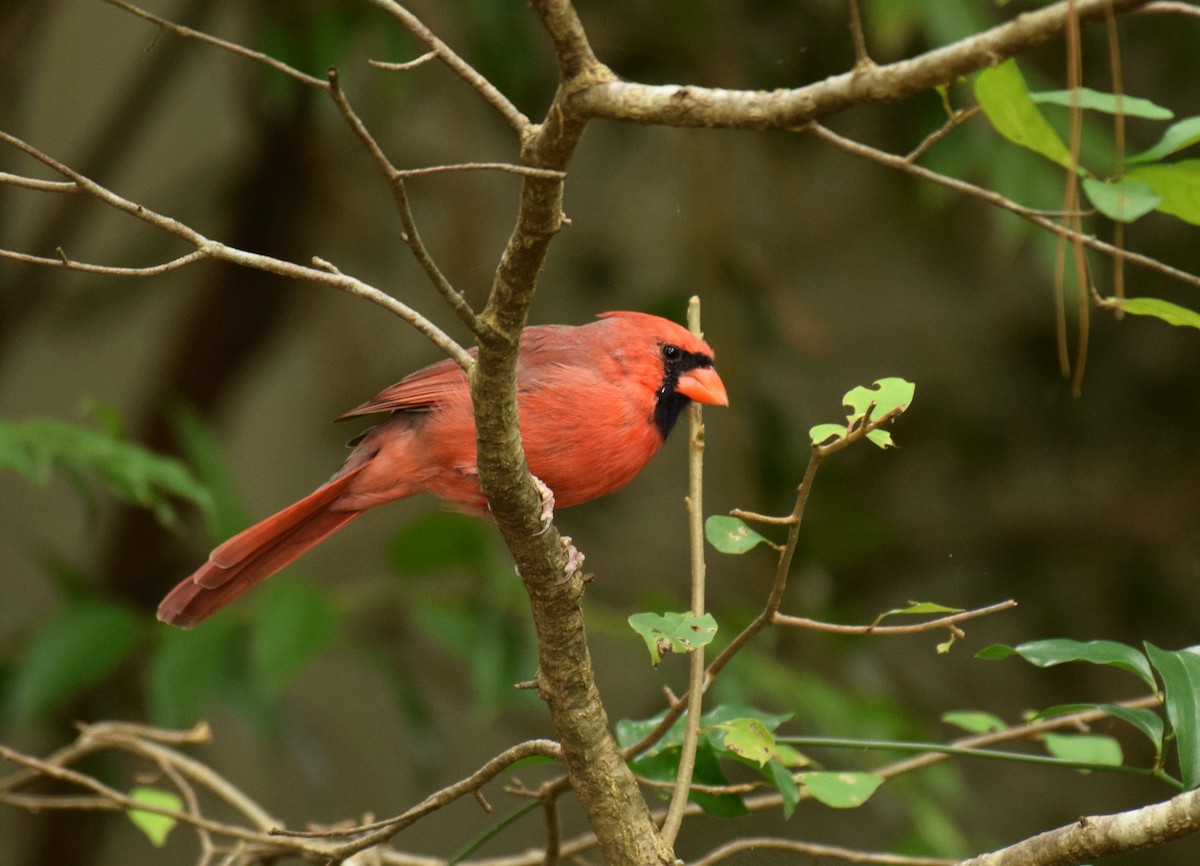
(670,352)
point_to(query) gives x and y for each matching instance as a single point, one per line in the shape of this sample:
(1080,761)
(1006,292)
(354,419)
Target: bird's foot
(574,557)
(547,504)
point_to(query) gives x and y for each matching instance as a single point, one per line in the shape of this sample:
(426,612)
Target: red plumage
(595,402)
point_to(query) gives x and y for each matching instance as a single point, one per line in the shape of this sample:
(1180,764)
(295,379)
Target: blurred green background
(817,272)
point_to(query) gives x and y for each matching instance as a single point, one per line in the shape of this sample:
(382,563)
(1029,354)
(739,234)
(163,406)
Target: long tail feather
(255,554)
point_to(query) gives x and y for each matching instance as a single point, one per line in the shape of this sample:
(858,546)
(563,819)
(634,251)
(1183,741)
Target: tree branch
(686,105)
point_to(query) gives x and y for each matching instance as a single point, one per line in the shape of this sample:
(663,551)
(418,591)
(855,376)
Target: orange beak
(704,386)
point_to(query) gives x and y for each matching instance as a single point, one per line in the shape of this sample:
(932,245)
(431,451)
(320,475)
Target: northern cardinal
(595,403)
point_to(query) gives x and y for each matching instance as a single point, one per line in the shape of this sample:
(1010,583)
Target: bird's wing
(419,391)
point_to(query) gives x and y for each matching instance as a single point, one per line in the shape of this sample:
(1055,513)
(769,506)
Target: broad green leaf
(191,670)
(37,447)
(822,433)
(841,790)
(1094,100)
(1005,99)
(916,608)
(749,739)
(1172,314)
(294,622)
(662,765)
(889,395)
(155,826)
(1178,136)
(673,632)
(1179,185)
(974,721)
(438,541)
(81,644)
(1056,651)
(1180,672)
(1146,721)
(731,534)
(1124,200)
(1084,748)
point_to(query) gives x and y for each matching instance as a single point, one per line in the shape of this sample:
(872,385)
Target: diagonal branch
(685,105)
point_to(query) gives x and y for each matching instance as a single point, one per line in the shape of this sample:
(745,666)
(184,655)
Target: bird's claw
(574,557)
(547,504)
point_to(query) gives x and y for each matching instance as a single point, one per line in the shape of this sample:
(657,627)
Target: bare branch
(815,851)
(216,250)
(232,47)
(1097,836)
(1036,217)
(929,625)
(407,65)
(524,170)
(518,121)
(410,235)
(39,185)
(71,265)
(685,105)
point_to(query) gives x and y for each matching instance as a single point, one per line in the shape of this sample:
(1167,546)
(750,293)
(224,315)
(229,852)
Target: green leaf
(822,433)
(974,721)
(294,622)
(1172,314)
(1005,99)
(1094,100)
(748,738)
(1179,185)
(1084,748)
(439,541)
(889,395)
(1124,200)
(1056,651)
(731,534)
(1146,721)
(191,670)
(82,643)
(1178,136)
(35,448)
(841,790)
(155,826)
(1180,672)
(914,608)
(673,632)
(777,774)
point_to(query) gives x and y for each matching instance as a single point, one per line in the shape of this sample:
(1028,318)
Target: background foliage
(386,661)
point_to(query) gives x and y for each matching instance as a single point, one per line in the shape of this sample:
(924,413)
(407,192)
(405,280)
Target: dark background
(817,272)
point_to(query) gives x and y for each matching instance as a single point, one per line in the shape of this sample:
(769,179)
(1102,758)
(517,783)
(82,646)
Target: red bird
(595,403)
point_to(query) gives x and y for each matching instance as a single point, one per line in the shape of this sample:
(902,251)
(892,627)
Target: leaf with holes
(749,739)
(673,632)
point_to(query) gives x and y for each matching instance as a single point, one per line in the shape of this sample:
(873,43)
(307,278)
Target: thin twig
(815,851)
(36,184)
(518,121)
(405,66)
(524,170)
(223,252)
(929,625)
(862,59)
(69,264)
(1034,216)
(695,512)
(232,47)
(410,235)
